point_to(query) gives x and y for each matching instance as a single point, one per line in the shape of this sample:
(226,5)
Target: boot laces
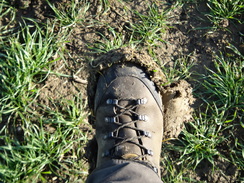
(136,140)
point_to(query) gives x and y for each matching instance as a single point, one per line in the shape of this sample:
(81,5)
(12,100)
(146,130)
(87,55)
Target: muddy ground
(188,35)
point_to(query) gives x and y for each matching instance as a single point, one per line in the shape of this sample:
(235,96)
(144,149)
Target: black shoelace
(134,103)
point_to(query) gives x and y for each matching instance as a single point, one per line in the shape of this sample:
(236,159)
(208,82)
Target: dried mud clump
(177,97)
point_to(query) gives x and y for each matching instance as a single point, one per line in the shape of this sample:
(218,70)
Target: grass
(225,10)
(23,65)
(70,15)
(212,129)
(104,6)
(28,150)
(114,41)
(201,139)
(44,152)
(181,69)
(149,28)
(43,142)
(225,86)
(6,11)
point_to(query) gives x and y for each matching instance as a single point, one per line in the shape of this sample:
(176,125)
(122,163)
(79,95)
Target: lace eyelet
(106,154)
(149,152)
(109,135)
(146,134)
(112,101)
(110,119)
(142,118)
(141,101)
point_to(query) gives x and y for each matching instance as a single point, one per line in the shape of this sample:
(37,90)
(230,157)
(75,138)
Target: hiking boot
(129,116)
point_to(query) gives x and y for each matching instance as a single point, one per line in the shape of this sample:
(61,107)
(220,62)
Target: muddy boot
(129,117)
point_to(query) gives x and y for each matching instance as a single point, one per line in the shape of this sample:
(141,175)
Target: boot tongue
(127,150)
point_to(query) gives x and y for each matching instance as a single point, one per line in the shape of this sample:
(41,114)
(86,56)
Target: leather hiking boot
(129,116)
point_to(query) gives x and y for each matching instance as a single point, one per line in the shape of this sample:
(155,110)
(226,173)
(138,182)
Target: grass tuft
(148,28)
(114,41)
(201,139)
(225,85)
(8,14)
(26,60)
(50,144)
(225,10)
(72,14)
(181,69)
(28,150)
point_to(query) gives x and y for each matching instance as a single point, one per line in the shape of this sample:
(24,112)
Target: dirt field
(187,35)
